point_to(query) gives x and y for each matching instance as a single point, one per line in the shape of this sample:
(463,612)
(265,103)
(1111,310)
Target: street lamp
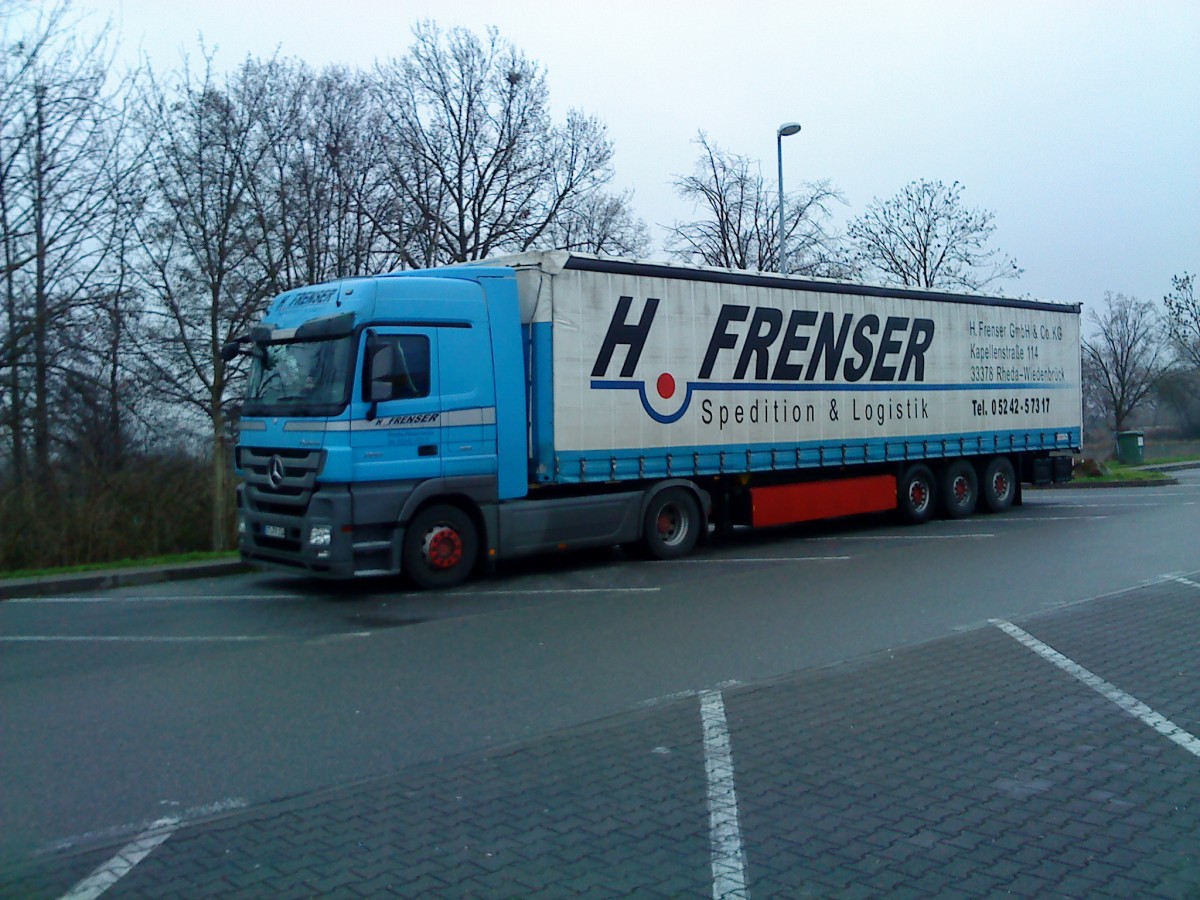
(787,129)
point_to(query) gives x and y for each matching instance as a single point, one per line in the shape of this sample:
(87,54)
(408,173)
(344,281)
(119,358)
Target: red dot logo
(666,386)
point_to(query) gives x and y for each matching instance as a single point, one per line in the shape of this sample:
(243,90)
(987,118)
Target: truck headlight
(241,524)
(320,535)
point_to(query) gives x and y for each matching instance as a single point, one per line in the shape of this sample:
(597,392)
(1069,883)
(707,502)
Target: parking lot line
(1130,704)
(1017,520)
(758,559)
(132,638)
(905,537)
(178,598)
(110,872)
(725,833)
(521,592)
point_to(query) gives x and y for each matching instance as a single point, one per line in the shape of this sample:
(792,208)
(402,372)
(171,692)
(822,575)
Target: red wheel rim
(918,494)
(961,490)
(672,524)
(443,547)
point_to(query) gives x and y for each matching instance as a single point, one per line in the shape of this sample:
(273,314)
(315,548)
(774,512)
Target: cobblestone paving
(611,811)
(966,767)
(969,768)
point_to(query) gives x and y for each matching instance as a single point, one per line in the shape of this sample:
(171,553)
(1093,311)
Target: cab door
(468,401)
(397,432)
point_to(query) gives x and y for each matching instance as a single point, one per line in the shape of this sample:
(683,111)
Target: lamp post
(787,129)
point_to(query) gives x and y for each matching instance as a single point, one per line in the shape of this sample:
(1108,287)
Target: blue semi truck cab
(366,398)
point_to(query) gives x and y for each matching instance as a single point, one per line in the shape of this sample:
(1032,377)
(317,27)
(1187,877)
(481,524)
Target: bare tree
(105,327)
(346,145)
(474,151)
(739,224)
(1126,358)
(323,202)
(925,237)
(1183,318)
(61,146)
(600,223)
(202,237)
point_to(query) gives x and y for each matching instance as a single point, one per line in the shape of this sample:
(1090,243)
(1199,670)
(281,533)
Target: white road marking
(761,559)
(151,836)
(175,599)
(1128,503)
(1183,580)
(132,638)
(725,833)
(903,537)
(522,592)
(1017,520)
(110,872)
(1158,492)
(119,832)
(1130,704)
(665,698)
(680,695)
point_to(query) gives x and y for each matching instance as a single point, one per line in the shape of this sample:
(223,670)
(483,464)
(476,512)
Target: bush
(151,505)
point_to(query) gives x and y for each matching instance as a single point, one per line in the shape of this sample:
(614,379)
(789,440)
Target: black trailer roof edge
(616,266)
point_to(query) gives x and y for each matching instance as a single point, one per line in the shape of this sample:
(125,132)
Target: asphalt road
(120,707)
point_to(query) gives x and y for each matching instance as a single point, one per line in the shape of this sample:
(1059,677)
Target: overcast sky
(1076,121)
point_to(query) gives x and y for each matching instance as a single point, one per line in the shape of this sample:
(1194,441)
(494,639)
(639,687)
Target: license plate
(274,531)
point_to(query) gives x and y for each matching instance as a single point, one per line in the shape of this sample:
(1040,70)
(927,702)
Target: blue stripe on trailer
(715,459)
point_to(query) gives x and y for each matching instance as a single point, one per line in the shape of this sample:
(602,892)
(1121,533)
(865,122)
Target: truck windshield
(300,378)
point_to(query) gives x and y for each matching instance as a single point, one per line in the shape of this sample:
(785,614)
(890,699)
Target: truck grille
(280,481)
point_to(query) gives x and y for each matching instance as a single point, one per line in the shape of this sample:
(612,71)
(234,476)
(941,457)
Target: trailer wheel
(915,495)
(671,525)
(440,547)
(999,484)
(960,489)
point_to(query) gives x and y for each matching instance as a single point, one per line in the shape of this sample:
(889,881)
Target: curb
(104,579)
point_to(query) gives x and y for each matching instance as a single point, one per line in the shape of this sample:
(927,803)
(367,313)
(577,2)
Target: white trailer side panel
(664,370)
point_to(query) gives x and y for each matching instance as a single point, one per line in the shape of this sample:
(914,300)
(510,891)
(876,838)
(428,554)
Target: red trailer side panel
(787,503)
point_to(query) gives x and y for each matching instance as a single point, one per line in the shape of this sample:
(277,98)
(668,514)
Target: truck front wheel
(440,547)
(672,524)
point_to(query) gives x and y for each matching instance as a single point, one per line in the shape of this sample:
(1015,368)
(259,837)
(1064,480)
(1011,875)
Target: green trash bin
(1131,447)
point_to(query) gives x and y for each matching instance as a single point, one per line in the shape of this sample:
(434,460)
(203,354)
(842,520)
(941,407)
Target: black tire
(671,525)
(999,487)
(960,489)
(441,545)
(916,495)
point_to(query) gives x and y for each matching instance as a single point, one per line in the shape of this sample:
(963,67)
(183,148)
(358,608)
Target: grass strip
(170,560)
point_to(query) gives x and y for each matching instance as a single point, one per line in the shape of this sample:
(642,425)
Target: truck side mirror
(378,373)
(382,378)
